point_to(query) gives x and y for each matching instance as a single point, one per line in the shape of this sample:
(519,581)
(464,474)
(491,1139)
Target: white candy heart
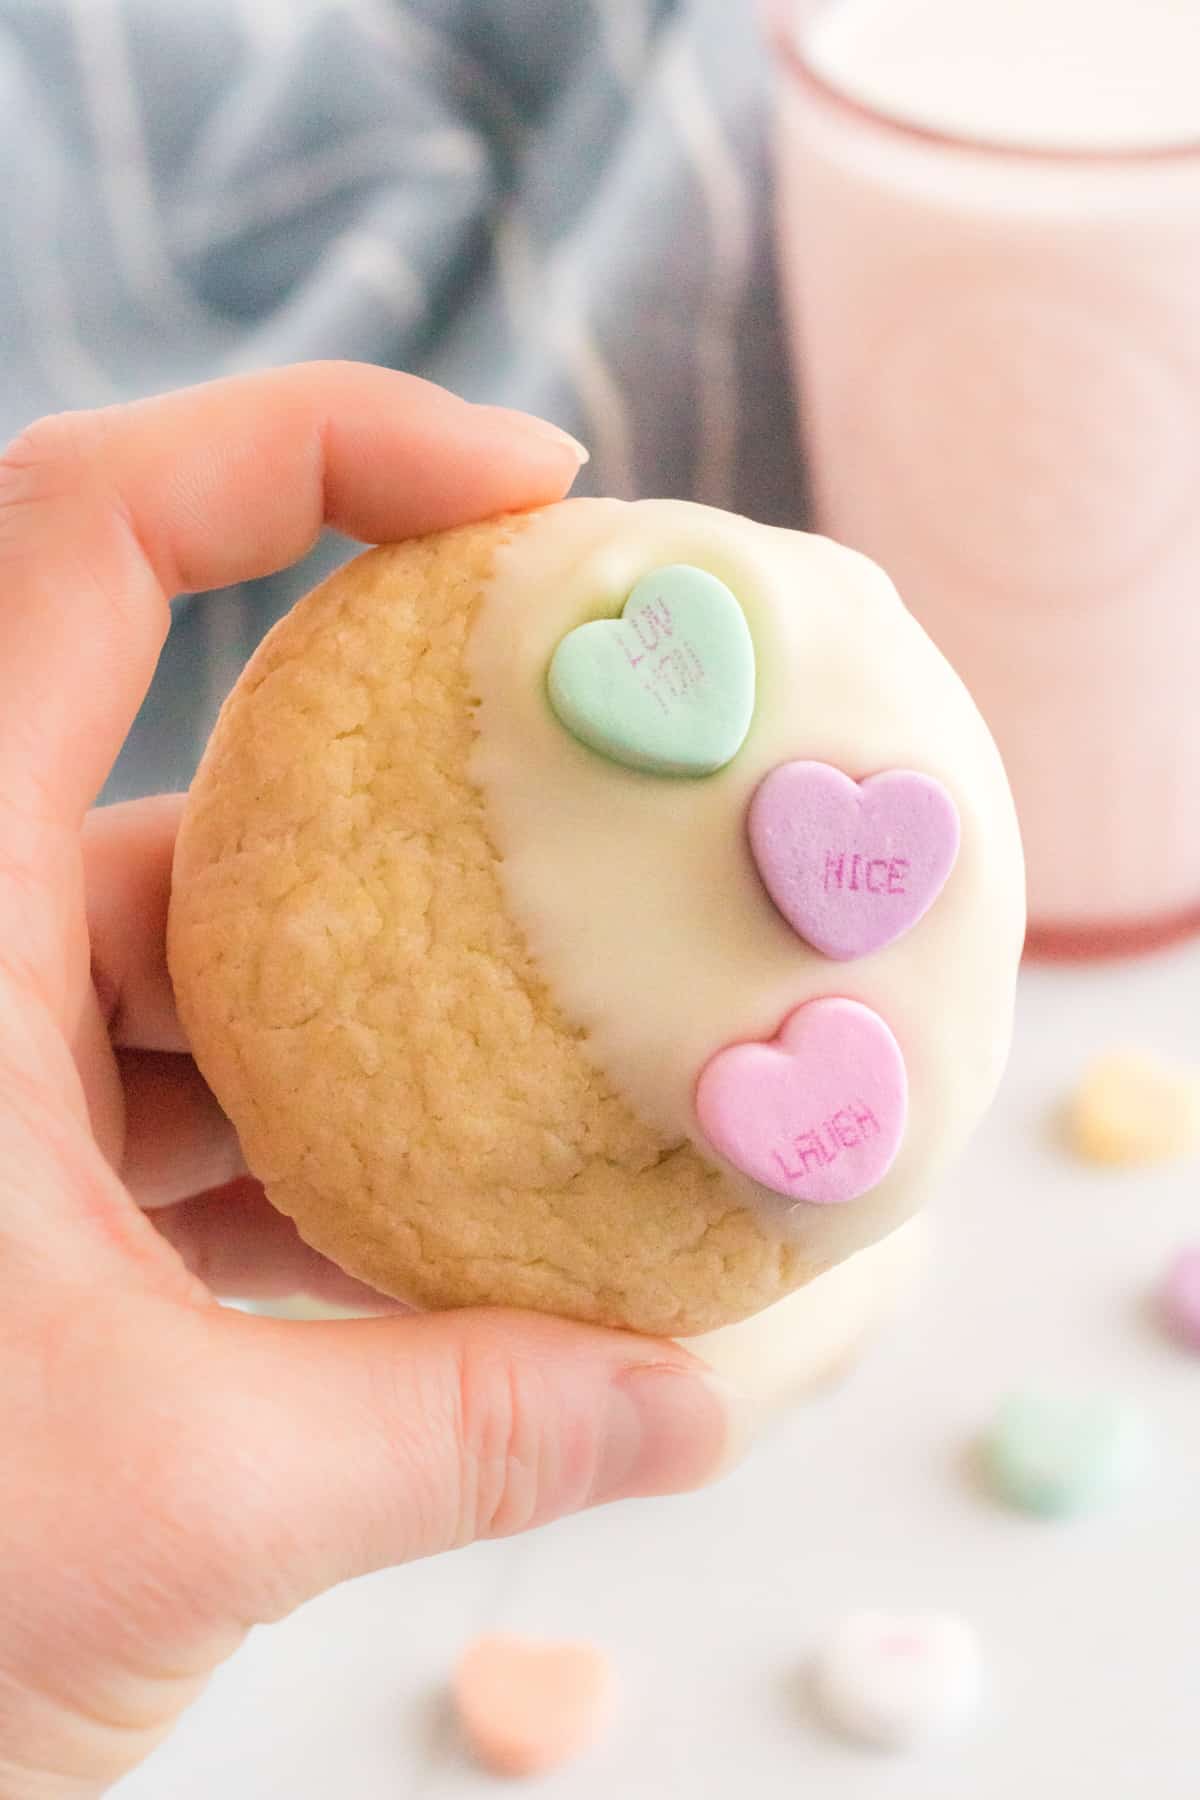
(899,1682)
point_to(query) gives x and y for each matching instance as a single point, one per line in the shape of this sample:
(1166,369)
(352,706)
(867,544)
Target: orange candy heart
(528,1706)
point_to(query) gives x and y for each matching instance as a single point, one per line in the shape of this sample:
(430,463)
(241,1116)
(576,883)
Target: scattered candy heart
(1134,1106)
(818,1114)
(1181,1298)
(528,1706)
(669,686)
(852,865)
(1055,1455)
(898,1683)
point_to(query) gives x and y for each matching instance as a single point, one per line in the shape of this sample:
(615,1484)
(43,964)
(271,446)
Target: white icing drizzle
(637,893)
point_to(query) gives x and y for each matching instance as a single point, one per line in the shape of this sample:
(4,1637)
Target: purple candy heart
(852,865)
(1181,1297)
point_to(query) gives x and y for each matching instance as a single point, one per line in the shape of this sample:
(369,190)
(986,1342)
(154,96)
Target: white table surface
(711,1604)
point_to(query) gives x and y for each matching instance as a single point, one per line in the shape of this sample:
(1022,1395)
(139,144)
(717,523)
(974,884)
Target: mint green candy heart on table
(1056,1455)
(669,686)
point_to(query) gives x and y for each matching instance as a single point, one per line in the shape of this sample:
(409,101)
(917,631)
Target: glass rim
(787,45)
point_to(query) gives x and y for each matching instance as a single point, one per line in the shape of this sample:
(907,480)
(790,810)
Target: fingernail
(538,428)
(667,1430)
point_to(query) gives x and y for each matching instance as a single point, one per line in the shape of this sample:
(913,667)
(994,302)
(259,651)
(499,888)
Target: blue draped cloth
(562,205)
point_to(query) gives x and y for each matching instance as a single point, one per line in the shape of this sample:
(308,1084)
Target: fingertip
(530,427)
(668,1429)
(427,460)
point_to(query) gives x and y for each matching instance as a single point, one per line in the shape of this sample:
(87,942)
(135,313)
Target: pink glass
(998,356)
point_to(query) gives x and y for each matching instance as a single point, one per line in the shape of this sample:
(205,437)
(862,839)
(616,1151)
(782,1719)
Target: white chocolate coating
(637,894)
(781,1355)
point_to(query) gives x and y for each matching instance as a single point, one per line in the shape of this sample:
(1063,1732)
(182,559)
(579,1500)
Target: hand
(174,1471)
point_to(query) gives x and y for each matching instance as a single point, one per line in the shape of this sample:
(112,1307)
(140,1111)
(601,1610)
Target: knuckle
(50,460)
(61,487)
(514,1472)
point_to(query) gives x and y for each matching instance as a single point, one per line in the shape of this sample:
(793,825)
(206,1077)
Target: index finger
(104,516)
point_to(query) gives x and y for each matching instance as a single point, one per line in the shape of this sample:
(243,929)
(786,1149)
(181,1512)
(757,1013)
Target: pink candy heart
(852,865)
(816,1115)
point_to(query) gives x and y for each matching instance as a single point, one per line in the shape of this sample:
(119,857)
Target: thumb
(372,1442)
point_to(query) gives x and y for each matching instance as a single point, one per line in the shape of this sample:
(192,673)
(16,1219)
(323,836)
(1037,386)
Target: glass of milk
(990,234)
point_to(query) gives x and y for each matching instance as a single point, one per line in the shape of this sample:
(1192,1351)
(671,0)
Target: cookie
(801,1346)
(514,993)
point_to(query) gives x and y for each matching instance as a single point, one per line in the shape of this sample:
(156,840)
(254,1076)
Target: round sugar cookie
(612,910)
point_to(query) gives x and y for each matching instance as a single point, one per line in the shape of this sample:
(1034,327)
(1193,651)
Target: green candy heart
(669,686)
(1054,1455)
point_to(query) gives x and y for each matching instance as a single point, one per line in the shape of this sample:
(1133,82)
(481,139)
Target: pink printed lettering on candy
(672,674)
(863,1124)
(808,1151)
(880,874)
(653,619)
(817,1147)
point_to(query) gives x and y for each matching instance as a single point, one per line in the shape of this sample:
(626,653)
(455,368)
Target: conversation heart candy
(1135,1106)
(899,1682)
(852,865)
(818,1113)
(527,1706)
(669,686)
(1059,1454)
(1181,1298)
